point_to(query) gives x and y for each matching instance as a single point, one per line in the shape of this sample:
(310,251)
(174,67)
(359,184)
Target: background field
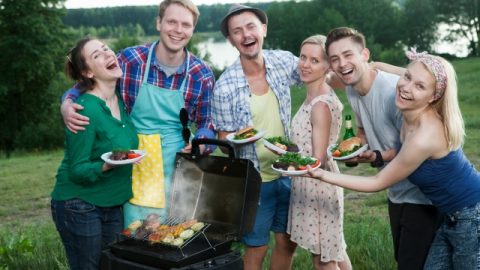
(28,239)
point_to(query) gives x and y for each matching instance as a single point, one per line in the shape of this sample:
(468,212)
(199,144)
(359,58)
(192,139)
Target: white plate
(276,148)
(352,155)
(257,136)
(106,158)
(296,172)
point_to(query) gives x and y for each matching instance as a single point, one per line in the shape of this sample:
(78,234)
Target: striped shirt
(231,96)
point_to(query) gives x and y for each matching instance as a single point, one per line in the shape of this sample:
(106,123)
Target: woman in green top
(88,195)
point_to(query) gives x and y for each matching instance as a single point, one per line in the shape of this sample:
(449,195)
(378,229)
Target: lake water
(222,54)
(458,47)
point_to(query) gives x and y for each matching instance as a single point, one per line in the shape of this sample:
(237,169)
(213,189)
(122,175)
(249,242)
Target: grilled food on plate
(283,143)
(245,133)
(347,147)
(294,162)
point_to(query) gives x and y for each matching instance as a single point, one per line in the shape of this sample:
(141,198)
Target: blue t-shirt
(451,182)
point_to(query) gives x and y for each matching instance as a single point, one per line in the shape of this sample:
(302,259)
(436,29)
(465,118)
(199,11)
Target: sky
(111,3)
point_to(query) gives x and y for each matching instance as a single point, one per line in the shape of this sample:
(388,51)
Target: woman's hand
(107,167)
(315,173)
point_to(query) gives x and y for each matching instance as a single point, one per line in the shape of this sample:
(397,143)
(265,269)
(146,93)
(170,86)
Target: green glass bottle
(349,133)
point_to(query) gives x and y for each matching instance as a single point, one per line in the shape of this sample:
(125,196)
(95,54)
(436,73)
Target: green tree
(291,22)
(420,24)
(32,46)
(462,17)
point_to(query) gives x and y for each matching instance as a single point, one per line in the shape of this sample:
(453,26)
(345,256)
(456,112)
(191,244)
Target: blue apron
(156,118)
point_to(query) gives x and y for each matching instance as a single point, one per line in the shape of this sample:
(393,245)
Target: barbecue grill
(222,192)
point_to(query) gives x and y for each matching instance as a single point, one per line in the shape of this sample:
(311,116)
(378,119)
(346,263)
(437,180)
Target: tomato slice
(302,168)
(132,155)
(337,153)
(317,162)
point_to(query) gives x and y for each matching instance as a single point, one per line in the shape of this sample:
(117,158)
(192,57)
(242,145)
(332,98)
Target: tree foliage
(292,22)
(420,24)
(462,17)
(32,46)
(145,16)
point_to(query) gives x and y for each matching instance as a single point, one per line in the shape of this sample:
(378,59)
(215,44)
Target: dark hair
(344,32)
(75,65)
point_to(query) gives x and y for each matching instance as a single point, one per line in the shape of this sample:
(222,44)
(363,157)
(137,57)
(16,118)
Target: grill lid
(222,191)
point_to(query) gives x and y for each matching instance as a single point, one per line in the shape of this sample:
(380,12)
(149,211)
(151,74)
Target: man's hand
(366,157)
(73,120)
(188,149)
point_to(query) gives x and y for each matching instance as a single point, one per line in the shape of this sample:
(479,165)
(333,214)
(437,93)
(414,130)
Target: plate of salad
(292,163)
(280,144)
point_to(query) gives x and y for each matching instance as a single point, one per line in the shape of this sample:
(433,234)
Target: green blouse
(80,173)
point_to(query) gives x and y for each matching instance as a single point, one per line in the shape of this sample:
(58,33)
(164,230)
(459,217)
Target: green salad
(291,160)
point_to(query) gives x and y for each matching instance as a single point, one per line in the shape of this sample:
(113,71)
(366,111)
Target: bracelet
(378,162)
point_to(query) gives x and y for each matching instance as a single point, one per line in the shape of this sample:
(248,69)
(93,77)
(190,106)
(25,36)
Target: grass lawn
(28,239)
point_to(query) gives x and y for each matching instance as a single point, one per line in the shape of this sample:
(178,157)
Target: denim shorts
(457,242)
(272,212)
(85,229)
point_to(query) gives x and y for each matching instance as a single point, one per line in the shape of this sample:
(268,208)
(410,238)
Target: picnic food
(245,133)
(197,226)
(347,147)
(152,229)
(283,143)
(123,154)
(294,162)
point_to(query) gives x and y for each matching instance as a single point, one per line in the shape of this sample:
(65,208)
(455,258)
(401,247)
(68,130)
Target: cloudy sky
(111,3)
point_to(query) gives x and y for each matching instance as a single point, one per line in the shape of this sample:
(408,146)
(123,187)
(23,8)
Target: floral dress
(316,208)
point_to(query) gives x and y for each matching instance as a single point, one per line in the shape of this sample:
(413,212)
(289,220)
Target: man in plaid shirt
(255,91)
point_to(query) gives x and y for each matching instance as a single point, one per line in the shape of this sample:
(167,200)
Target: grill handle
(223,143)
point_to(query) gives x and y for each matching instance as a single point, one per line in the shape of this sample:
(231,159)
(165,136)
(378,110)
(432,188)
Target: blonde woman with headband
(431,157)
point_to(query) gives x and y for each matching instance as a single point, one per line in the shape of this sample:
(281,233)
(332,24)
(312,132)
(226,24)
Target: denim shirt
(231,96)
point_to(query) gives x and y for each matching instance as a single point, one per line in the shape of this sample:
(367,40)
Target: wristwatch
(378,162)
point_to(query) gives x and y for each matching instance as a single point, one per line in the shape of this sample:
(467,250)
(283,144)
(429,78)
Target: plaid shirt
(199,85)
(231,96)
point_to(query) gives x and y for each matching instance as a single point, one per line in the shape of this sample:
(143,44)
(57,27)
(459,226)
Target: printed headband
(435,66)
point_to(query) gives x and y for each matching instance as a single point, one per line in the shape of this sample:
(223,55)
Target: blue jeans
(272,212)
(457,242)
(85,230)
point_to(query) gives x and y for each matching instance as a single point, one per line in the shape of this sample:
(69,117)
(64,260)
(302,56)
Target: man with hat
(255,91)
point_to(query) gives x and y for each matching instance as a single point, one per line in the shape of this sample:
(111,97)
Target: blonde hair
(185,3)
(448,108)
(317,40)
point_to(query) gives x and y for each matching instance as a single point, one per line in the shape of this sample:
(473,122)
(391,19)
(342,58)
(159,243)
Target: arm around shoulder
(388,68)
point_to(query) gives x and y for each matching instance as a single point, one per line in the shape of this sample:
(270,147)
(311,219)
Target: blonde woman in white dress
(316,208)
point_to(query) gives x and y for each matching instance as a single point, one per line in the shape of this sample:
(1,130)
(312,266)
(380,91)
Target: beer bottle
(349,133)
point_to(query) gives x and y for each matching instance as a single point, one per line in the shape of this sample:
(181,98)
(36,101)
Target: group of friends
(409,117)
